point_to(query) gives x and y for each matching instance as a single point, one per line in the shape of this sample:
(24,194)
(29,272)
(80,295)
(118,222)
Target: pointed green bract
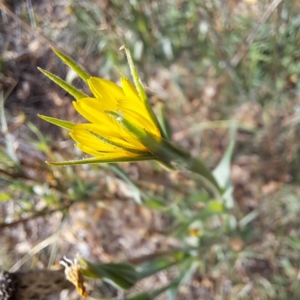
(58,122)
(100,160)
(72,64)
(135,75)
(140,89)
(164,123)
(77,94)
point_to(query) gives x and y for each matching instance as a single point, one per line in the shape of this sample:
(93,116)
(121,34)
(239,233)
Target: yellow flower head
(122,125)
(106,135)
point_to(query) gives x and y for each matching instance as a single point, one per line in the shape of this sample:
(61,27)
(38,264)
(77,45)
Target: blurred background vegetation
(226,76)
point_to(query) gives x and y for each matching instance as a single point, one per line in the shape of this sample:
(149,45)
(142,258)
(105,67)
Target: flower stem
(185,161)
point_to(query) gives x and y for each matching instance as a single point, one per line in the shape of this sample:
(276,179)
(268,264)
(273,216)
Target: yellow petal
(136,104)
(139,118)
(104,131)
(89,150)
(108,155)
(127,136)
(129,89)
(86,138)
(104,89)
(83,133)
(92,110)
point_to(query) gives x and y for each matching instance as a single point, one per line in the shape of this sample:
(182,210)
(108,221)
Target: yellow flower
(122,126)
(105,135)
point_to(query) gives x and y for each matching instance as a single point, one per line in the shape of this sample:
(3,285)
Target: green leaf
(152,295)
(77,94)
(222,171)
(99,160)
(164,122)
(152,267)
(121,275)
(141,296)
(67,60)
(58,122)
(198,166)
(137,196)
